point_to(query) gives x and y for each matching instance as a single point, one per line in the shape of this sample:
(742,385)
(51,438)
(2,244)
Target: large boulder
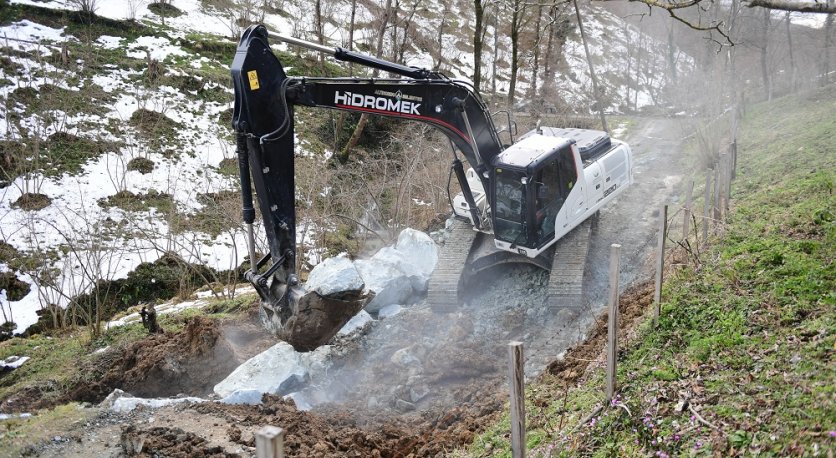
(334,276)
(278,370)
(389,283)
(415,254)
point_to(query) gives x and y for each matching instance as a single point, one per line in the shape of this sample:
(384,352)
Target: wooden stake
(269,442)
(716,191)
(517,382)
(660,263)
(686,222)
(612,328)
(734,159)
(706,205)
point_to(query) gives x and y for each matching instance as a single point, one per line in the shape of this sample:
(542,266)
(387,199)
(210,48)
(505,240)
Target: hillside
(741,363)
(117,146)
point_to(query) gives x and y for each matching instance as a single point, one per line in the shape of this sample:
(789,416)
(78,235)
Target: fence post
(706,204)
(734,159)
(612,327)
(686,223)
(269,442)
(517,382)
(716,191)
(660,263)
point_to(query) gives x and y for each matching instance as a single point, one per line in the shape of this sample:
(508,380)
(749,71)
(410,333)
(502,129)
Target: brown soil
(352,430)
(309,434)
(32,201)
(191,361)
(632,306)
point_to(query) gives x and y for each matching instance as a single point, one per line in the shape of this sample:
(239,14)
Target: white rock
(251,397)
(390,284)
(419,248)
(356,322)
(111,398)
(300,401)
(126,404)
(415,254)
(404,358)
(277,370)
(334,275)
(389,311)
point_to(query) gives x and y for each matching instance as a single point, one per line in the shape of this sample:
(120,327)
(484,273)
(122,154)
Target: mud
(189,362)
(633,305)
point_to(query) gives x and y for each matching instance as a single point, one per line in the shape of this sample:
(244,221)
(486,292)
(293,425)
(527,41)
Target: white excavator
(519,202)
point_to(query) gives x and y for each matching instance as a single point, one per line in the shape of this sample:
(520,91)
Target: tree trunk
(364,118)
(547,65)
(477,44)
(828,44)
(767,84)
(495,50)
(319,29)
(671,54)
(440,40)
(595,90)
(793,69)
(536,67)
(516,18)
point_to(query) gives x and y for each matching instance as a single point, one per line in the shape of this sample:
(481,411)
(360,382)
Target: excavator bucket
(314,319)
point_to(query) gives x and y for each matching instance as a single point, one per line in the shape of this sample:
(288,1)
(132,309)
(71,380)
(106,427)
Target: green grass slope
(742,361)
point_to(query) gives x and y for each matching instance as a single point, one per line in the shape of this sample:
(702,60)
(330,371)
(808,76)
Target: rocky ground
(416,384)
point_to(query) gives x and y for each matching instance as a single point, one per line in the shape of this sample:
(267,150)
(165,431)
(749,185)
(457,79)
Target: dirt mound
(191,361)
(336,433)
(632,305)
(161,441)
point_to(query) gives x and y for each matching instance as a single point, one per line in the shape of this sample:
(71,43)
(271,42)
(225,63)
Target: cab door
(571,185)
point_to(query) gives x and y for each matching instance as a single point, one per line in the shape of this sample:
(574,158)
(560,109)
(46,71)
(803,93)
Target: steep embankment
(742,359)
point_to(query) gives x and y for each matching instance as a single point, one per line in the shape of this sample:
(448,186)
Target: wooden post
(612,328)
(716,191)
(517,382)
(269,442)
(727,182)
(706,204)
(660,262)
(724,185)
(734,159)
(686,223)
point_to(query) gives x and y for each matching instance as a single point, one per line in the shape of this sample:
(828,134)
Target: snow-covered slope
(81,236)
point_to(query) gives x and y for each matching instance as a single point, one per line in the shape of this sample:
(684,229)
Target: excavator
(530,200)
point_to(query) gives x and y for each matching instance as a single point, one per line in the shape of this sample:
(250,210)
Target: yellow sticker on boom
(253,76)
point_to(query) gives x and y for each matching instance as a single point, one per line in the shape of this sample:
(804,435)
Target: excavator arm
(263,121)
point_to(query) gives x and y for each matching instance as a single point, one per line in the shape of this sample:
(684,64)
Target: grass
(129,201)
(741,361)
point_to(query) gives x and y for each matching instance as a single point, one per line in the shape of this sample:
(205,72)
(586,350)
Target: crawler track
(566,276)
(445,281)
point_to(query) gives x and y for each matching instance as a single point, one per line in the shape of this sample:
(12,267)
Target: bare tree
(518,18)
(479,12)
(133,8)
(364,118)
(592,74)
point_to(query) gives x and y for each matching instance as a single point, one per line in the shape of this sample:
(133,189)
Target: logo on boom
(376,103)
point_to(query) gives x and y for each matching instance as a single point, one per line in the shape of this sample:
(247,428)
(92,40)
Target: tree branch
(794,5)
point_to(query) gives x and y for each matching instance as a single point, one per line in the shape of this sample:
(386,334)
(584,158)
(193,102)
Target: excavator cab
(533,179)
